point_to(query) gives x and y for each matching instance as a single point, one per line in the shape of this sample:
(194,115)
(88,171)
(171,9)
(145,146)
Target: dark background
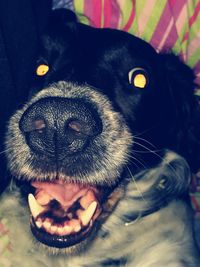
(21,24)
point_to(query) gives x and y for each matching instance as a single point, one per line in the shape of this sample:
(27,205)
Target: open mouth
(63,214)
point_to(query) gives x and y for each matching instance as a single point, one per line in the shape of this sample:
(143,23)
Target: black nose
(60,127)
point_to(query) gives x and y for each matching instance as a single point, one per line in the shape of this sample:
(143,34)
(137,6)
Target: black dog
(96,149)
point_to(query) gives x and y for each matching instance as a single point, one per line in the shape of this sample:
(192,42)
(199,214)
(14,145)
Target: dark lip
(60,242)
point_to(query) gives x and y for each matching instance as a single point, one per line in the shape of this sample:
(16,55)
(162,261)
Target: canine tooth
(38,223)
(87,214)
(35,208)
(87,199)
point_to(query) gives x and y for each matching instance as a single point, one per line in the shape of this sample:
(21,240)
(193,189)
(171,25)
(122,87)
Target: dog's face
(102,97)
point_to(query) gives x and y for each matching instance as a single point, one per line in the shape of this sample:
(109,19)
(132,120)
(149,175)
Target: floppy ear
(184,107)
(61,20)
(180,83)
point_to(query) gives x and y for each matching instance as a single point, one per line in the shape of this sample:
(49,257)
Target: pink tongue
(65,193)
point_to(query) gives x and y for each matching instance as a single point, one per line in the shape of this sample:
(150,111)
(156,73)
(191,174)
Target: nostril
(76,129)
(32,125)
(81,128)
(39,125)
(75,125)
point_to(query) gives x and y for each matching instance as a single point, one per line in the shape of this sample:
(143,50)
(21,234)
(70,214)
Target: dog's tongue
(64,193)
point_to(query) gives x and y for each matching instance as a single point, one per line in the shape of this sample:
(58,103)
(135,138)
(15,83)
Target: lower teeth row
(72,226)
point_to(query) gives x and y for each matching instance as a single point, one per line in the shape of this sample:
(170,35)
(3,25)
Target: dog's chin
(65,216)
(73,250)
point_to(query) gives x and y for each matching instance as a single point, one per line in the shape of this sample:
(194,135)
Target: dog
(101,153)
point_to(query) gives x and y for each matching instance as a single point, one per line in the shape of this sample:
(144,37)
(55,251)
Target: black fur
(153,128)
(166,113)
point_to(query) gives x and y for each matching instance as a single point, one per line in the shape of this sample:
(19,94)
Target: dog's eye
(42,69)
(138,77)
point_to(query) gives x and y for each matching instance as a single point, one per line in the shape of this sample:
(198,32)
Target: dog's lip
(58,241)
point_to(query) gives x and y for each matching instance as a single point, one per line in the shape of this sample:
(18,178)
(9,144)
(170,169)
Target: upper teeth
(35,208)
(73,225)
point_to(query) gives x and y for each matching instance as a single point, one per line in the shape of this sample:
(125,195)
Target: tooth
(47,224)
(38,223)
(67,229)
(35,208)
(77,228)
(87,199)
(60,230)
(86,215)
(53,229)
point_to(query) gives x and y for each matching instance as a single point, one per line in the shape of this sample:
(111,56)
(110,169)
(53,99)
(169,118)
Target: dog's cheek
(135,111)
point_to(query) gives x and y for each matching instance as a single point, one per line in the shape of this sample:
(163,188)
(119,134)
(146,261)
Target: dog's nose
(60,127)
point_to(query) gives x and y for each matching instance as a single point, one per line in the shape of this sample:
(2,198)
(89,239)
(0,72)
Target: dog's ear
(185,113)
(61,29)
(64,15)
(179,80)
(62,19)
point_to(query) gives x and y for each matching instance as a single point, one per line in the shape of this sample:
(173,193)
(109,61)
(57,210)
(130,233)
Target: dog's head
(103,102)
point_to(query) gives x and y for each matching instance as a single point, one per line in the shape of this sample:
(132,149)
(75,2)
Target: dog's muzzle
(68,148)
(56,127)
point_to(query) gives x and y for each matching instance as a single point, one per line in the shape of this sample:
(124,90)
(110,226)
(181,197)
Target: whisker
(144,152)
(137,186)
(157,155)
(145,131)
(5,151)
(141,163)
(142,139)
(147,149)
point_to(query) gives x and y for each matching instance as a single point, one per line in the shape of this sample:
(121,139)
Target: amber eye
(42,69)
(138,78)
